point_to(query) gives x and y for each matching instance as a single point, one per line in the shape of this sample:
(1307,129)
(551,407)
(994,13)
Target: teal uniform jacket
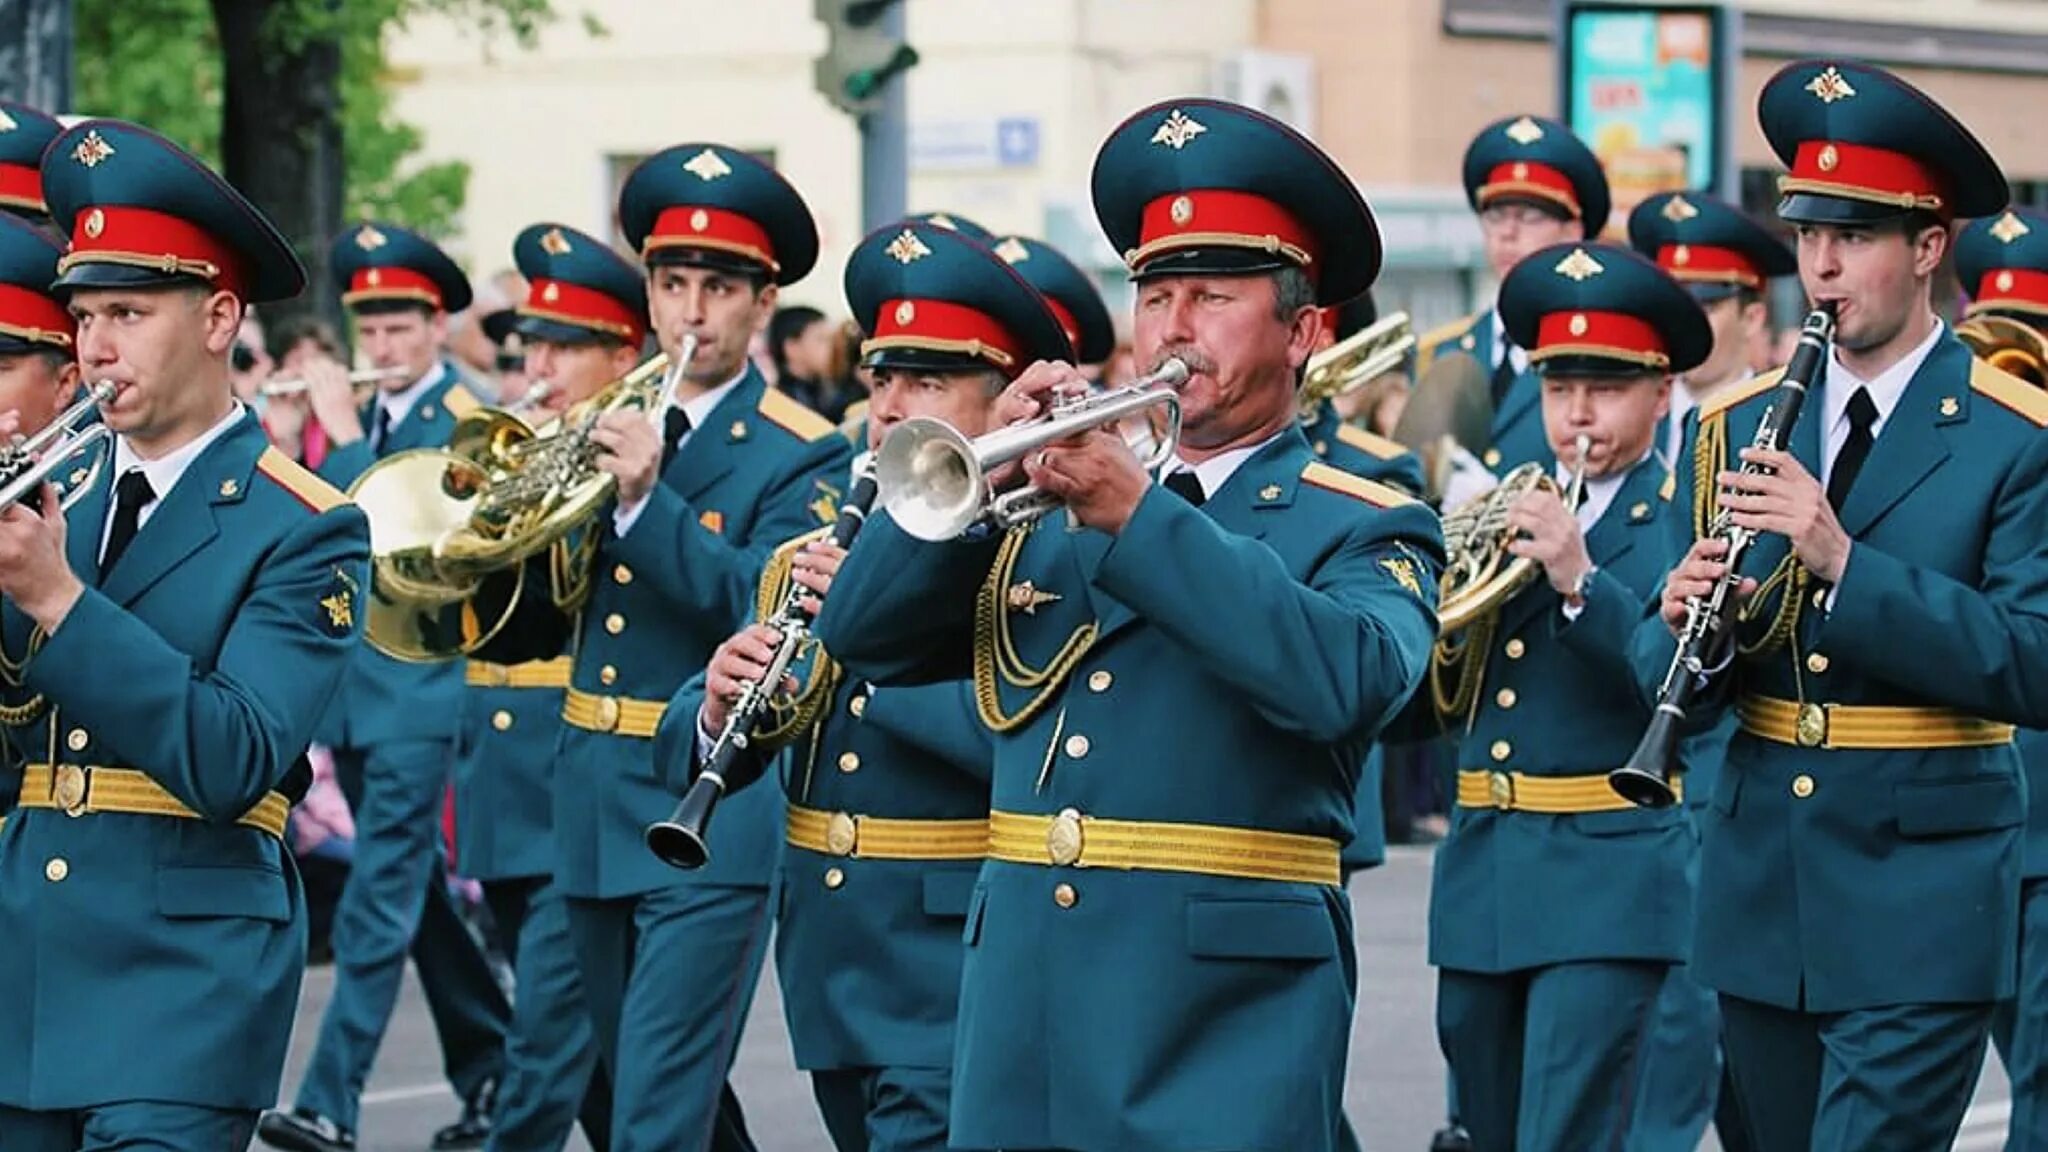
(1517,890)
(1222,666)
(2033,744)
(762,469)
(1833,880)
(383,699)
(1518,436)
(153,957)
(1372,457)
(868,951)
(504,776)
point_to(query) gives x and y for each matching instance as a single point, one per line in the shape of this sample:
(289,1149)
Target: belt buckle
(608,714)
(842,834)
(1500,788)
(68,790)
(1810,730)
(1063,838)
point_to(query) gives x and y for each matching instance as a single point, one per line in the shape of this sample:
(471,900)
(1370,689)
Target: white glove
(1469,480)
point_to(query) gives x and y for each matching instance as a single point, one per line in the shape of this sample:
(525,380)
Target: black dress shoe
(301,1131)
(474,1128)
(1451,1138)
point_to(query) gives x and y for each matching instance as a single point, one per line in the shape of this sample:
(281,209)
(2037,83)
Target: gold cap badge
(1579,267)
(554,243)
(1830,86)
(707,166)
(1177,129)
(1524,131)
(907,248)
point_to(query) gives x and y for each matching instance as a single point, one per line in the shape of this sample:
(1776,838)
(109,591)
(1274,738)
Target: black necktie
(1503,373)
(674,426)
(1186,485)
(131,495)
(1849,461)
(381,429)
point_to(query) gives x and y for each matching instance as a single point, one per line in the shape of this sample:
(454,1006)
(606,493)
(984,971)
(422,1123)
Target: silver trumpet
(933,480)
(362,378)
(31,460)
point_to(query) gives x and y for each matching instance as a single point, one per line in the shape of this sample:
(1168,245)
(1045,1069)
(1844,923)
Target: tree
(288,98)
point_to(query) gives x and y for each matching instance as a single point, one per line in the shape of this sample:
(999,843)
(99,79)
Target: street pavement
(1394,1093)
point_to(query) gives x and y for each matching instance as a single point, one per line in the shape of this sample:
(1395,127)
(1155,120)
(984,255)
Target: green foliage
(158,62)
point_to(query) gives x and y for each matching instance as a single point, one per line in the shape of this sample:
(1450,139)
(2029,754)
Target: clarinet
(1646,779)
(682,840)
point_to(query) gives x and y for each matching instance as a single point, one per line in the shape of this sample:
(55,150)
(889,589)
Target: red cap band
(1709,263)
(1068,324)
(141,238)
(29,315)
(1860,172)
(943,326)
(22,186)
(1206,218)
(1527,178)
(2022,288)
(569,303)
(720,229)
(1611,335)
(392,283)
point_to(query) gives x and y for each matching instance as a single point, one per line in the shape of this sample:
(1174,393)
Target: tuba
(2008,345)
(451,528)
(1481,575)
(1347,366)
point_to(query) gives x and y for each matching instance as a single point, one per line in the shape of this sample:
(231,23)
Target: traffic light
(861,56)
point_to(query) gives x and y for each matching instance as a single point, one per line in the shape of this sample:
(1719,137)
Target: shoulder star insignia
(707,166)
(1024,597)
(554,243)
(1525,131)
(1678,210)
(1177,130)
(1013,250)
(1830,86)
(907,248)
(2009,228)
(1579,267)
(93,149)
(369,239)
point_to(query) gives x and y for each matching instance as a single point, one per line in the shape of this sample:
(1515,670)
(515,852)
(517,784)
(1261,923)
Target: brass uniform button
(501,720)
(1063,838)
(608,714)
(1505,698)
(56,870)
(849,762)
(834,878)
(1077,746)
(1820,597)
(69,790)
(858,705)
(1816,663)
(615,623)
(842,834)
(622,574)
(1516,648)
(1492,458)
(77,739)
(1802,785)
(1100,680)
(1501,750)
(608,675)
(1065,896)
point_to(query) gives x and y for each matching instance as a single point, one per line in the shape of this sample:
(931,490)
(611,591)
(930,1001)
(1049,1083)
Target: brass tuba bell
(1355,361)
(2009,345)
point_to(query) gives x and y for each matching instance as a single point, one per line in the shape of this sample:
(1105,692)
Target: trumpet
(933,480)
(1347,366)
(682,841)
(362,379)
(1646,779)
(31,460)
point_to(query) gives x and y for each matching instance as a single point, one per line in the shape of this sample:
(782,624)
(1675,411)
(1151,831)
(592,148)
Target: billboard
(1645,85)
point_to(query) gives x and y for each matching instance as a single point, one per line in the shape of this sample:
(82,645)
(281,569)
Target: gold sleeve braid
(1788,581)
(11,675)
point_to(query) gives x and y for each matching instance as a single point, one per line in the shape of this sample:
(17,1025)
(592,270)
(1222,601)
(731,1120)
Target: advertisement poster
(1641,91)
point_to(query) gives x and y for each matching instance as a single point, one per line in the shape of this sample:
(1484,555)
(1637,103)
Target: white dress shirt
(698,410)
(399,405)
(1517,356)
(162,473)
(1885,391)
(1217,470)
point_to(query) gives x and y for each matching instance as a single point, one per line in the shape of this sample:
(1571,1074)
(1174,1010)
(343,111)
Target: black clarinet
(682,840)
(1646,779)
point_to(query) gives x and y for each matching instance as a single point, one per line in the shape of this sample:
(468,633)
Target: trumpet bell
(1357,360)
(933,483)
(490,437)
(1480,574)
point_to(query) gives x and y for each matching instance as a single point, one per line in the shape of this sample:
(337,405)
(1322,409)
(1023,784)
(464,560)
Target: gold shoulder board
(1722,401)
(1370,443)
(293,477)
(2009,391)
(460,401)
(792,417)
(1344,483)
